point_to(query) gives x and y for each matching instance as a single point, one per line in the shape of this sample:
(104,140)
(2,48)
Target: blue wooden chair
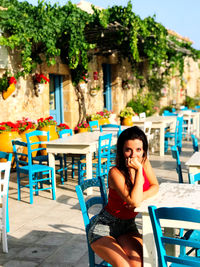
(169,113)
(88,202)
(114,147)
(175,155)
(7,157)
(177,214)
(74,159)
(100,164)
(33,176)
(194,143)
(93,124)
(44,158)
(175,138)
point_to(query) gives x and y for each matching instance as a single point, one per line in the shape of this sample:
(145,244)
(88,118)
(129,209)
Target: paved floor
(51,233)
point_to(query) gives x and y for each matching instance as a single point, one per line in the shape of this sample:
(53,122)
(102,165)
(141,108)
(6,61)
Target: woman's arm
(117,182)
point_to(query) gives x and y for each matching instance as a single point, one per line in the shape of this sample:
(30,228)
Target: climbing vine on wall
(53,30)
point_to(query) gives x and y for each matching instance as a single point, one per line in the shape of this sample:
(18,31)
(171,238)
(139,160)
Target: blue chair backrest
(194,143)
(6,156)
(197,107)
(36,147)
(177,214)
(93,124)
(65,132)
(169,113)
(114,126)
(175,155)
(104,147)
(86,203)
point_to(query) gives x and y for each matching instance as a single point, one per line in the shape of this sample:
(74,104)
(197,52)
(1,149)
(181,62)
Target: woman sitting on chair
(113,234)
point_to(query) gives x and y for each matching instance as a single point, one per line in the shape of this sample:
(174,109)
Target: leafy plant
(190,102)
(145,103)
(46,122)
(127,112)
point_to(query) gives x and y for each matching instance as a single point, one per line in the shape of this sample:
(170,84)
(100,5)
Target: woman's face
(133,148)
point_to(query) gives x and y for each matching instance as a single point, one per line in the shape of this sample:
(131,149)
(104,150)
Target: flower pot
(93,92)
(103,121)
(52,135)
(9,91)
(82,130)
(6,142)
(127,121)
(33,139)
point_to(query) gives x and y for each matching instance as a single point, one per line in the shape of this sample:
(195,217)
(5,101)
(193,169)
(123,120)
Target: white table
(159,122)
(169,195)
(82,143)
(195,116)
(194,163)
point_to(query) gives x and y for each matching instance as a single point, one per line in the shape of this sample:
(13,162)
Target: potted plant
(61,127)
(8,132)
(82,127)
(94,90)
(39,81)
(25,126)
(7,85)
(126,115)
(47,124)
(105,115)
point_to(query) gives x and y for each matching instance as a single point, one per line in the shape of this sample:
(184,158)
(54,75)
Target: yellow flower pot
(82,130)
(127,121)
(103,121)
(52,135)
(9,91)
(6,142)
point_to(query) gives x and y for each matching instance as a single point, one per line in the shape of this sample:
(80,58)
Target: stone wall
(24,102)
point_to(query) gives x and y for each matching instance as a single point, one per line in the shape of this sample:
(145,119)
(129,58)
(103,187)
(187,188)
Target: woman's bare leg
(109,250)
(132,245)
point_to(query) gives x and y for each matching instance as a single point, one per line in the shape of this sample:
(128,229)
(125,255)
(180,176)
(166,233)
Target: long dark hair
(131,133)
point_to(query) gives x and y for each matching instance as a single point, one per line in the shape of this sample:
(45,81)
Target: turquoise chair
(194,143)
(176,214)
(114,147)
(175,155)
(169,113)
(175,137)
(74,158)
(34,176)
(7,157)
(100,164)
(44,158)
(93,124)
(86,203)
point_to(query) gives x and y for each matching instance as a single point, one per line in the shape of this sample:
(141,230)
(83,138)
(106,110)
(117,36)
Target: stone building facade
(25,103)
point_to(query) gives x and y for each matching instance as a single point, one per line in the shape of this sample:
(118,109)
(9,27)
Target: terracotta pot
(104,121)
(9,91)
(6,142)
(82,130)
(52,135)
(32,139)
(127,121)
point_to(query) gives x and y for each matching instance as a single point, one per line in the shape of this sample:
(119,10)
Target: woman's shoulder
(115,175)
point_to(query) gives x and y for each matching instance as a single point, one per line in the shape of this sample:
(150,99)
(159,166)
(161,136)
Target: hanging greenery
(52,30)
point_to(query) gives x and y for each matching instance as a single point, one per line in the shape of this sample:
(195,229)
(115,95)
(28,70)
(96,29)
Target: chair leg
(19,187)
(65,166)
(4,238)
(53,184)
(31,188)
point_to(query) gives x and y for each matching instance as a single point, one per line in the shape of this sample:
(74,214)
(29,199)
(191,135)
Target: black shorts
(104,224)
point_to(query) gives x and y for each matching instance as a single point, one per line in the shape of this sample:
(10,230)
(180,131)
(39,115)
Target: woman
(113,234)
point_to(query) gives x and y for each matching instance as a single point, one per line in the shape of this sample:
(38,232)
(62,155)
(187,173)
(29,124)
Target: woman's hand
(133,163)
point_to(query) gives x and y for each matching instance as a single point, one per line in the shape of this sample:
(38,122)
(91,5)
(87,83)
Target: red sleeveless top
(116,205)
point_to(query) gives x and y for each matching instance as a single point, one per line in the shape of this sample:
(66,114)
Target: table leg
(89,170)
(149,251)
(162,140)
(52,164)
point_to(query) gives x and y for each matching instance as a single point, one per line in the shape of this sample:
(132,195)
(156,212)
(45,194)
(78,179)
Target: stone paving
(51,233)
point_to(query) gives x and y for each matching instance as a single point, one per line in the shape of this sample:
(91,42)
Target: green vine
(49,31)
